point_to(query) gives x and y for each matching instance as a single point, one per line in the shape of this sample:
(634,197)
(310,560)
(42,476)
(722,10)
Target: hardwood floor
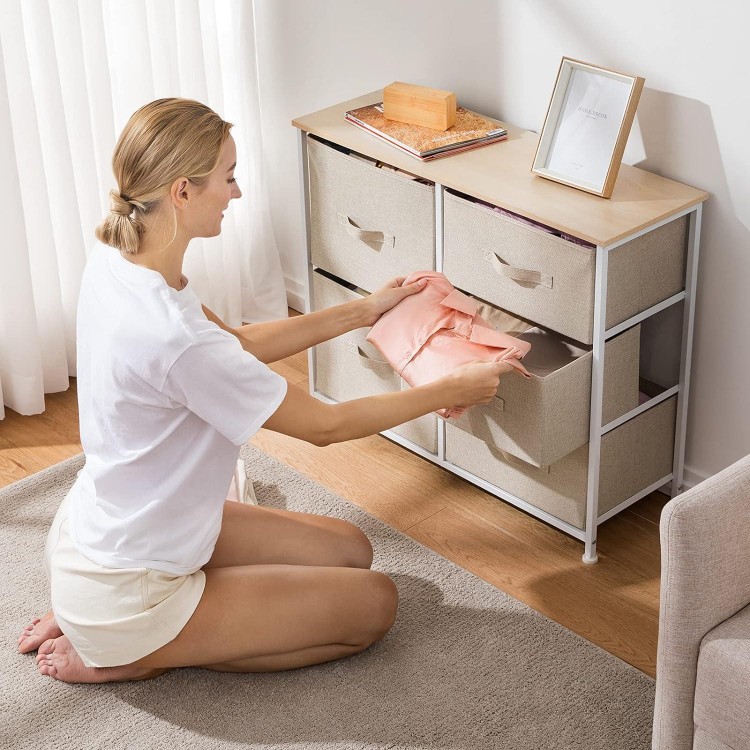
(614,603)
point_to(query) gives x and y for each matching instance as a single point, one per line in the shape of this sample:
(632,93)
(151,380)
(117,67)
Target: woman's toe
(28,630)
(45,648)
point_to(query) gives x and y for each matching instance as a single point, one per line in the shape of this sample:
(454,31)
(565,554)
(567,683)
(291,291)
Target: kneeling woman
(150,568)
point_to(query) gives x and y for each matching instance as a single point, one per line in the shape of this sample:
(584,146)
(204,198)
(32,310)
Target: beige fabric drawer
(422,431)
(646,270)
(542,419)
(563,300)
(633,456)
(349,367)
(550,280)
(367,225)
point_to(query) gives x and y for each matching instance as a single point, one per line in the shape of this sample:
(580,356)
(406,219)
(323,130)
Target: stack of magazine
(471,131)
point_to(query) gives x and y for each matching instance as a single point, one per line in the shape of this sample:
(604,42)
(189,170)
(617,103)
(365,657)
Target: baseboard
(690,478)
(295,294)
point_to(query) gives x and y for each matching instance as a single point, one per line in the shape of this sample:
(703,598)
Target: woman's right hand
(475,382)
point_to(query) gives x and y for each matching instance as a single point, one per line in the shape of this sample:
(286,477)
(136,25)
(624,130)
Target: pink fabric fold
(429,334)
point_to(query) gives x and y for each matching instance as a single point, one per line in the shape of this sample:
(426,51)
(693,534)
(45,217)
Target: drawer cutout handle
(499,403)
(366,235)
(523,275)
(365,358)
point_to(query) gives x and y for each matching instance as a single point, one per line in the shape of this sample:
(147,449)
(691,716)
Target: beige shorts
(115,616)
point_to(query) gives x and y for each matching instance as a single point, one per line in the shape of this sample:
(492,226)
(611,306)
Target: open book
(471,130)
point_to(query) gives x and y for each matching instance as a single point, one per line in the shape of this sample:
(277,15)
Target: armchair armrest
(705,578)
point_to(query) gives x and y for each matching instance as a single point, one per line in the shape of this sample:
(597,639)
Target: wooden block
(419,105)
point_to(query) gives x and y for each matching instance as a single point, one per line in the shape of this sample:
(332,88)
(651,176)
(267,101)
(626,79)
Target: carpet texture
(465,666)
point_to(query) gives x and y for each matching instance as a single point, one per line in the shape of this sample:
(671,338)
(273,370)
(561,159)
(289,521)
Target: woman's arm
(276,339)
(305,417)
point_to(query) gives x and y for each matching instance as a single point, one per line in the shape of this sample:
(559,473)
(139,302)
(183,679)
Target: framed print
(587,126)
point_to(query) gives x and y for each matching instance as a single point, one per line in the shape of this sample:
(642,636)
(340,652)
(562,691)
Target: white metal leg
(597,392)
(439,260)
(691,279)
(305,197)
(439,254)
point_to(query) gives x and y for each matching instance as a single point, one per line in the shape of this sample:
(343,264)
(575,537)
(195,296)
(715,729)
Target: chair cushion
(722,697)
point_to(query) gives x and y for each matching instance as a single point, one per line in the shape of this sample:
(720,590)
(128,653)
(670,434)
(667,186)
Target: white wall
(501,58)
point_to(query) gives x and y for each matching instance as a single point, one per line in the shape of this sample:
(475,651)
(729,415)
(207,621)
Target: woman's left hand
(389,296)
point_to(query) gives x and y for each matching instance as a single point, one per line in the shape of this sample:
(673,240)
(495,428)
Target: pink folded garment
(429,334)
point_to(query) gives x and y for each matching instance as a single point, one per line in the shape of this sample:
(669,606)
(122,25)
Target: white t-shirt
(166,398)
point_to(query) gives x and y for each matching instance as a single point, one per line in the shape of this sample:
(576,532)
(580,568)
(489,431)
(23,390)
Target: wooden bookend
(419,105)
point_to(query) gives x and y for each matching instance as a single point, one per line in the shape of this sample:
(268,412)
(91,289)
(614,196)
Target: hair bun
(119,204)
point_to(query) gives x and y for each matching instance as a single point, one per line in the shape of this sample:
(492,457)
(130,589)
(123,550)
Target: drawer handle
(499,403)
(368,360)
(366,235)
(518,274)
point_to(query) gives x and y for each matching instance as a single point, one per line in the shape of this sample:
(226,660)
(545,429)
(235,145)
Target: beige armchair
(703,659)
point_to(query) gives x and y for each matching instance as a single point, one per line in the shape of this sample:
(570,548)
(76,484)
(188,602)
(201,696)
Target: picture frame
(586,127)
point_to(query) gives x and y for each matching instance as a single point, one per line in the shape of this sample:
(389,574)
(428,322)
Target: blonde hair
(163,140)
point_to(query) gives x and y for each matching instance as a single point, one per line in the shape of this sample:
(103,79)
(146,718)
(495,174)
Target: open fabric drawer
(544,418)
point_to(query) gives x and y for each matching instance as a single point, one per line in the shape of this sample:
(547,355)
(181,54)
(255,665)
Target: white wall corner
(690,478)
(295,294)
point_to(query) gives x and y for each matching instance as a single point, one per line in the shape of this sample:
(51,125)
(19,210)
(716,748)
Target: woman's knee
(383,599)
(358,552)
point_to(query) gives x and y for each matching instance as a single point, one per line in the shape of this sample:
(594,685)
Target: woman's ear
(178,192)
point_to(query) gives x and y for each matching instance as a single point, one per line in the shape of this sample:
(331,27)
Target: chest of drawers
(572,446)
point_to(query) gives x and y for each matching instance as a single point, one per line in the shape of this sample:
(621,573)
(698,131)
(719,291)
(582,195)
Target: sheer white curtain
(72,72)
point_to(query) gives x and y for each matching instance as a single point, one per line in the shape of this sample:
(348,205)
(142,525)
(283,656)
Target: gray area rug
(464,667)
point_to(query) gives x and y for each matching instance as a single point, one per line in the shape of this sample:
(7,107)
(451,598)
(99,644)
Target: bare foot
(58,659)
(38,632)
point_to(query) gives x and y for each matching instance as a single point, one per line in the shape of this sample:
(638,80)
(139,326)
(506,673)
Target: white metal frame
(600,336)
(688,318)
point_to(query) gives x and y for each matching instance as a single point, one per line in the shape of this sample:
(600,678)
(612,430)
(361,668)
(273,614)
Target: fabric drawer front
(646,271)
(633,456)
(522,269)
(622,355)
(349,367)
(422,430)
(542,419)
(367,224)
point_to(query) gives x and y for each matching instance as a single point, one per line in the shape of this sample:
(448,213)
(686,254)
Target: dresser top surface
(501,174)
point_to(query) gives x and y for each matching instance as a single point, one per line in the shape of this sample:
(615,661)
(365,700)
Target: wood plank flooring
(614,603)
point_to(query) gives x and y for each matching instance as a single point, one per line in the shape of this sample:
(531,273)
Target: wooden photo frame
(587,126)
